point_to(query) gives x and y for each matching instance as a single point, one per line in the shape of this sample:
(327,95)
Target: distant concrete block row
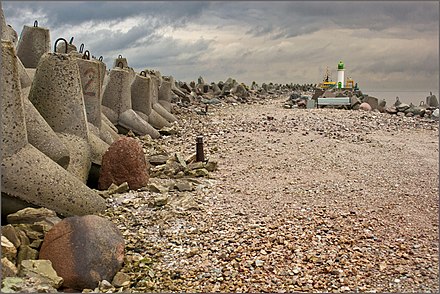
(59,115)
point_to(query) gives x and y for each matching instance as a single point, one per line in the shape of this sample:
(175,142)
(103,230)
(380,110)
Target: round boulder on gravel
(84,250)
(124,161)
(365,107)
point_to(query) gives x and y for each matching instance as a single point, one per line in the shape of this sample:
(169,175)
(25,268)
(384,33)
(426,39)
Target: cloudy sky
(384,45)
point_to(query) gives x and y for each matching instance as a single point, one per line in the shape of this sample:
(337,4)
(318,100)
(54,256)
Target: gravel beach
(304,200)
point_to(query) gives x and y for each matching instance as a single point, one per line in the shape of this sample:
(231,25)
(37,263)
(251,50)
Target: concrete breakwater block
(164,113)
(28,175)
(7,33)
(57,95)
(90,74)
(142,104)
(33,43)
(156,82)
(165,93)
(116,102)
(42,137)
(120,62)
(139,99)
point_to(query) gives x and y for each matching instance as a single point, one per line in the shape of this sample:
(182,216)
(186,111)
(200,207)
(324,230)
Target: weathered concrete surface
(57,95)
(42,137)
(164,113)
(34,42)
(139,97)
(90,74)
(28,176)
(117,105)
(165,93)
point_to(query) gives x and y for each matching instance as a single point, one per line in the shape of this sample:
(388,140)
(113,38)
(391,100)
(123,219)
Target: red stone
(124,161)
(84,250)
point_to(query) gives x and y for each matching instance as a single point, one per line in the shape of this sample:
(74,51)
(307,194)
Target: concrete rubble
(360,101)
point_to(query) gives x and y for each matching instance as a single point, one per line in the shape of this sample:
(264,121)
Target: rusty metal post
(200,156)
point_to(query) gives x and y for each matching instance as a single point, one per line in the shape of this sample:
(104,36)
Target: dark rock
(382,105)
(354,101)
(372,101)
(84,250)
(432,101)
(124,161)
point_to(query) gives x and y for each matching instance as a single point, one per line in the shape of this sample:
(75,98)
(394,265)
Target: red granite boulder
(84,250)
(124,161)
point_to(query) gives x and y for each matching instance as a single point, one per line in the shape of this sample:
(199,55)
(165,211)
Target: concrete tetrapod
(120,62)
(42,137)
(165,93)
(57,95)
(116,103)
(142,104)
(7,32)
(39,133)
(155,101)
(29,177)
(139,92)
(91,81)
(34,42)
(107,127)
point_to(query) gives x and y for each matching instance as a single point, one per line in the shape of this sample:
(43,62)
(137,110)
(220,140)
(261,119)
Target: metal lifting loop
(86,55)
(143,73)
(120,64)
(56,42)
(71,40)
(120,56)
(81,48)
(100,58)
(35,24)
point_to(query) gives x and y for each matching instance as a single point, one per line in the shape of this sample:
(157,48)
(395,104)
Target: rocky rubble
(362,101)
(304,201)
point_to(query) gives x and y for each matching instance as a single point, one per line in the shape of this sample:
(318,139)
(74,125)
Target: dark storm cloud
(74,13)
(292,19)
(278,41)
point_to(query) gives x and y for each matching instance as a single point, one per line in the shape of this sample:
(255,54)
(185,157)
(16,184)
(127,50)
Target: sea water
(407,97)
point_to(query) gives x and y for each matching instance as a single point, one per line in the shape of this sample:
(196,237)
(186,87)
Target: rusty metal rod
(200,156)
